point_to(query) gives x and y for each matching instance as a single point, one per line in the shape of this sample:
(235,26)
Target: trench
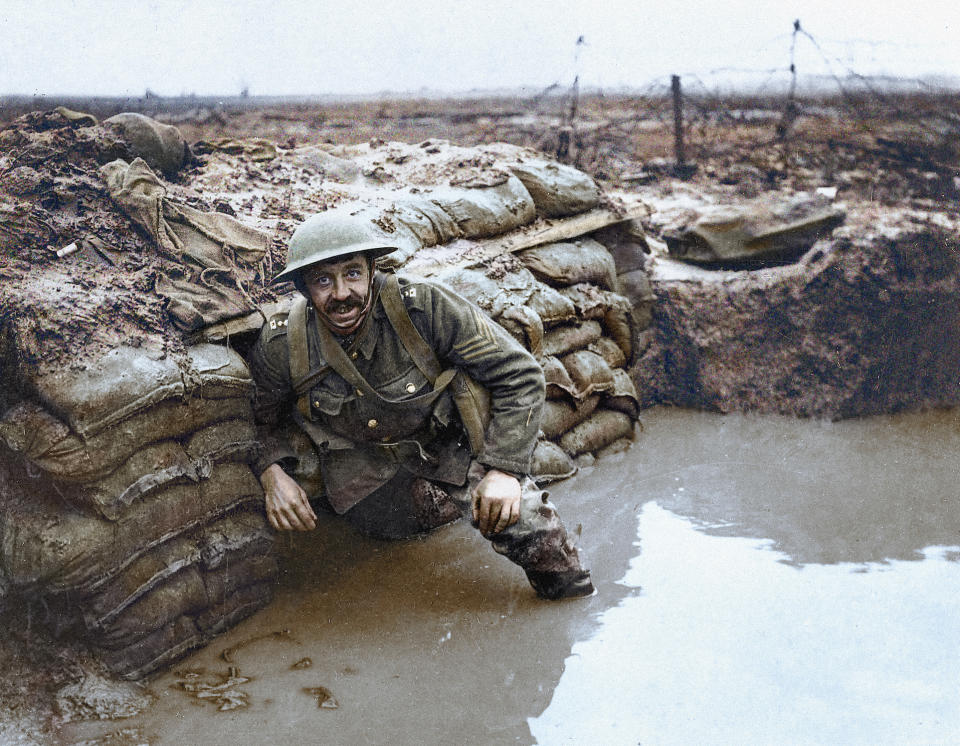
(761,579)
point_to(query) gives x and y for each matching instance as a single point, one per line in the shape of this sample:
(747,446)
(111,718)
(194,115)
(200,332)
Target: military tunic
(362,443)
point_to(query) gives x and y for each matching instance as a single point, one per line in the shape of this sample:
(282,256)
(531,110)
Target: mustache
(353,301)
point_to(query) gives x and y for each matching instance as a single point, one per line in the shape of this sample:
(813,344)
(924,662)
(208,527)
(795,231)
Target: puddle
(760,580)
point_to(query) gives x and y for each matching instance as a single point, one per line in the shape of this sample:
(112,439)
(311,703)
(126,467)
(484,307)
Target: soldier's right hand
(287,506)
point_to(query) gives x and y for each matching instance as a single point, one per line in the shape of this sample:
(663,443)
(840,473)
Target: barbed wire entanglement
(771,126)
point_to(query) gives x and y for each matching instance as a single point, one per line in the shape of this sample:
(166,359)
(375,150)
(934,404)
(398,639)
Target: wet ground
(760,580)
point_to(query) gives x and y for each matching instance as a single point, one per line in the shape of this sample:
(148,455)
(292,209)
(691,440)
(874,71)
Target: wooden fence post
(677,121)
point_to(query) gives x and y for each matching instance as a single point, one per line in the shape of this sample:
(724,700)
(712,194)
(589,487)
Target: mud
(760,579)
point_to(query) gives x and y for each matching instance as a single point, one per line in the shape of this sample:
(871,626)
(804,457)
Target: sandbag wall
(559,300)
(129,502)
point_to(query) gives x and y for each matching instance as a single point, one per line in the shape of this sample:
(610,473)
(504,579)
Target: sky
(295,47)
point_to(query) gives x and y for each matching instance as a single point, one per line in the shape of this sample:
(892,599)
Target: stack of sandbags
(559,301)
(139,510)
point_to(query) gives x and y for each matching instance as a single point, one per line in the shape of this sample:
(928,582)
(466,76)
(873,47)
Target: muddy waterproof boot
(537,542)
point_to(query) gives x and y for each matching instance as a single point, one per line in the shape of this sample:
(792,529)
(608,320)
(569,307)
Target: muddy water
(760,580)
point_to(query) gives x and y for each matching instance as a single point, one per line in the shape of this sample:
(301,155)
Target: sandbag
(240,535)
(47,545)
(618,325)
(550,463)
(565,339)
(160,145)
(552,307)
(185,633)
(556,188)
(559,416)
(427,221)
(622,396)
(569,263)
(486,211)
(589,372)
(635,287)
(602,428)
(126,381)
(609,351)
(191,591)
(230,440)
(592,302)
(51,445)
(525,325)
(559,383)
(149,469)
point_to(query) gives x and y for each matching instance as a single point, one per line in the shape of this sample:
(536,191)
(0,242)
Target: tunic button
(353,355)
(372,424)
(411,388)
(316,403)
(359,392)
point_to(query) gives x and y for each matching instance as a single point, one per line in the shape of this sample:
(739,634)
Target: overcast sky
(298,47)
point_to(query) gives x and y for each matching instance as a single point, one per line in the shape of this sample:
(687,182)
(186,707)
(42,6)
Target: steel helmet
(336,232)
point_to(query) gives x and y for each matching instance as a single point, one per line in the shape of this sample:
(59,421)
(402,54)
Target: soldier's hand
(287,506)
(496,502)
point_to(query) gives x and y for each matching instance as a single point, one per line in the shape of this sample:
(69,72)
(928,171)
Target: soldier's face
(340,292)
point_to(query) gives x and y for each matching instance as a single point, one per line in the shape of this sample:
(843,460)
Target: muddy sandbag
(240,535)
(559,416)
(167,462)
(589,372)
(487,210)
(49,443)
(524,325)
(635,287)
(125,381)
(568,263)
(622,396)
(556,188)
(559,383)
(191,591)
(149,469)
(609,351)
(618,325)
(185,633)
(552,307)
(230,440)
(602,428)
(427,221)
(592,302)
(564,339)
(160,145)
(47,545)
(550,463)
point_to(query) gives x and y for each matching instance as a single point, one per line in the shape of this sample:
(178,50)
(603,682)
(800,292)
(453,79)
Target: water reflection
(797,583)
(726,644)
(853,491)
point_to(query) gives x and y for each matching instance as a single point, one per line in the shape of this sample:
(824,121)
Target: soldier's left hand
(496,502)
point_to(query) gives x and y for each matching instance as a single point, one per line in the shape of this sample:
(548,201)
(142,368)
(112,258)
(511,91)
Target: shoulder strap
(297,340)
(423,355)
